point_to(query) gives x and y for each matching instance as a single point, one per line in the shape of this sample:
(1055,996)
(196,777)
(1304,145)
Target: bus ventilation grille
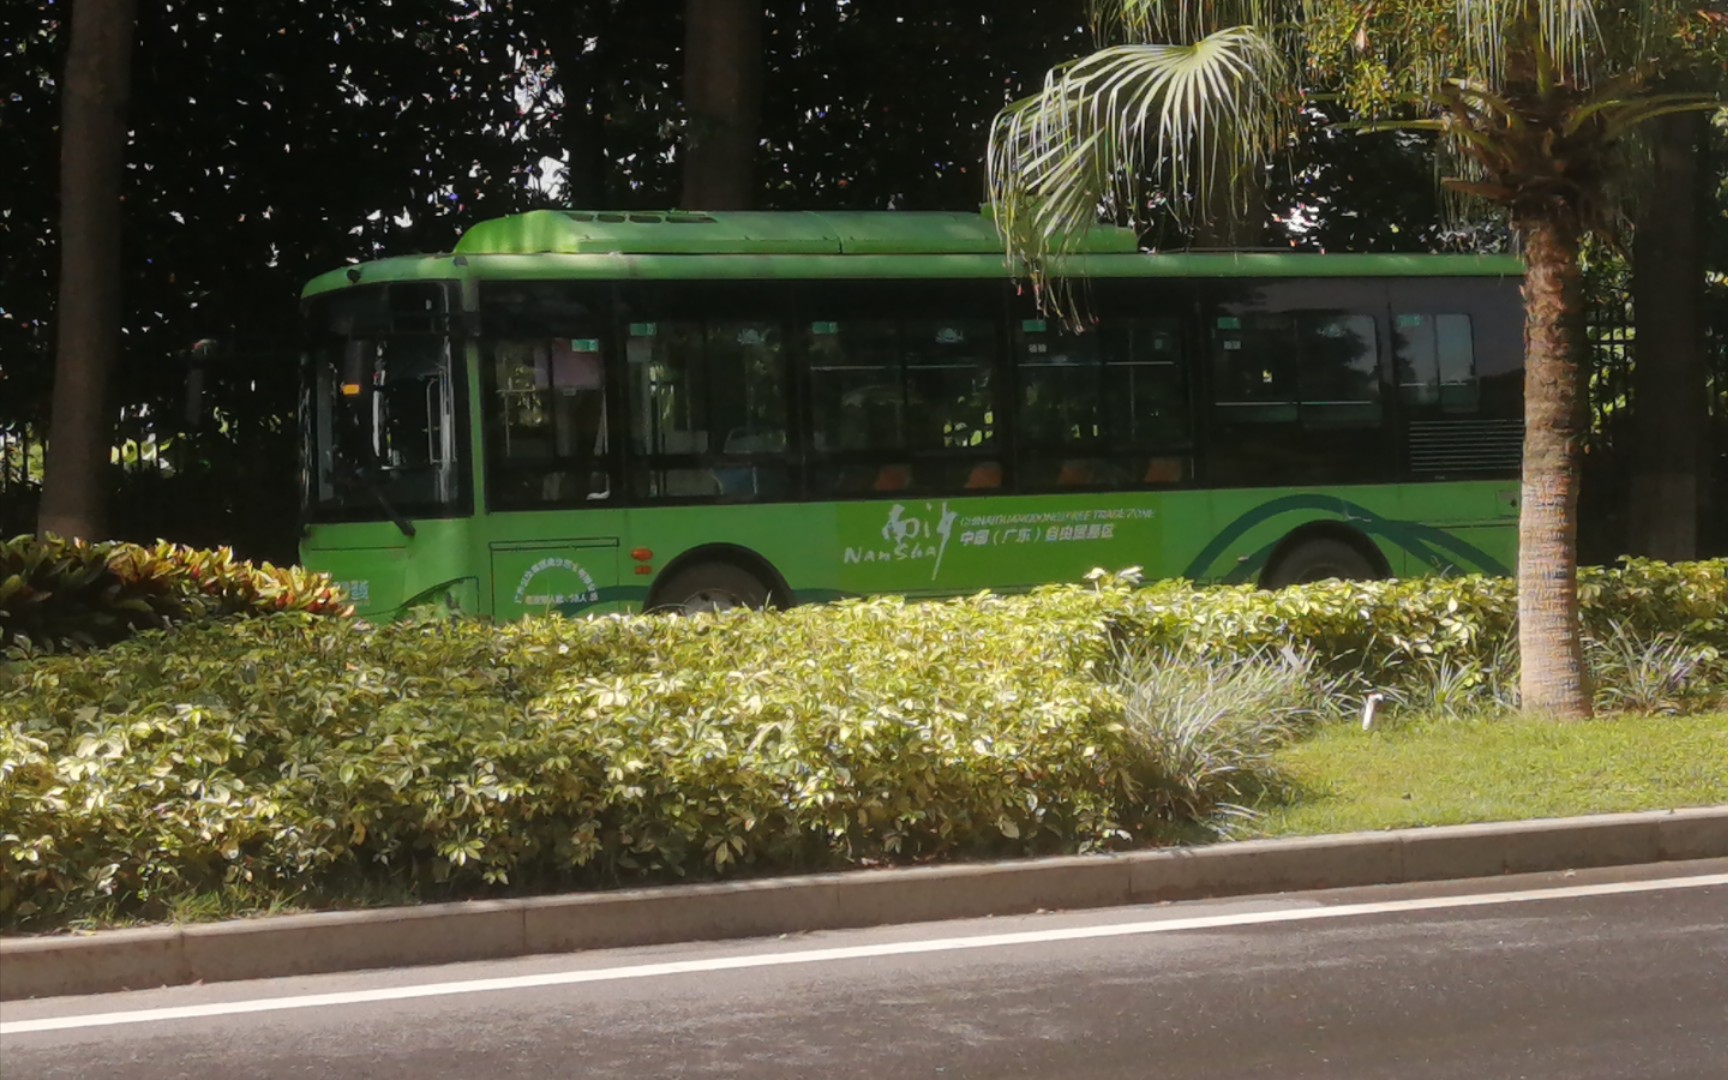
(1466,446)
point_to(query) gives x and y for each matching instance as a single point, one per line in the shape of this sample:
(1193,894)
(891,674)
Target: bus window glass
(708,400)
(747,386)
(548,421)
(381,408)
(1459,391)
(1106,404)
(856,395)
(666,387)
(1061,435)
(1254,367)
(902,405)
(948,395)
(1145,384)
(1437,362)
(1339,380)
(544,373)
(1060,385)
(1297,385)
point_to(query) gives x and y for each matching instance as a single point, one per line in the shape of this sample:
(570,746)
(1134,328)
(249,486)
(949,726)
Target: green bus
(590,412)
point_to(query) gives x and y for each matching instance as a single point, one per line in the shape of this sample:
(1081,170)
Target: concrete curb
(488,930)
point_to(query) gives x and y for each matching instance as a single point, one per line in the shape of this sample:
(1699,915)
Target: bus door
(551,464)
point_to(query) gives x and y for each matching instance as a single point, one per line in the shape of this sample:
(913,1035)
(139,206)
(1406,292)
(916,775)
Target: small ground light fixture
(1370,708)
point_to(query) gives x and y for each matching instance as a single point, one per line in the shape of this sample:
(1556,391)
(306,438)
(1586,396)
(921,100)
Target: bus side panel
(565,562)
(382,570)
(1464,527)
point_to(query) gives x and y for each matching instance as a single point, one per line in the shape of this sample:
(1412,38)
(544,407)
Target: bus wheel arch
(718,566)
(1321,550)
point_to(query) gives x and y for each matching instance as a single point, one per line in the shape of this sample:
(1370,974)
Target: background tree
(93,148)
(722,103)
(272,140)
(268,141)
(1670,467)
(1670,410)
(1535,100)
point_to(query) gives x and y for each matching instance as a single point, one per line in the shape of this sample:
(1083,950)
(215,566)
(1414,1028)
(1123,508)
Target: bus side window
(1319,368)
(1338,381)
(1147,422)
(1296,386)
(1437,362)
(708,408)
(1254,367)
(1106,406)
(858,405)
(902,381)
(548,442)
(1061,409)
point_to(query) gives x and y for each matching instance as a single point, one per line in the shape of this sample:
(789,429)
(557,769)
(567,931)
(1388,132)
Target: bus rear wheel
(1320,558)
(712,586)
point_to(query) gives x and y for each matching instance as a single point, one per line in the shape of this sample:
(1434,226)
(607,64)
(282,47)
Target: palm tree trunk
(723,100)
(93,151)
(1670,408)
(1550,646)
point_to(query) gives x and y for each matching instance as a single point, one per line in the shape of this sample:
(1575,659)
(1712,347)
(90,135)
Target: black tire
(1321,558)
(712,586)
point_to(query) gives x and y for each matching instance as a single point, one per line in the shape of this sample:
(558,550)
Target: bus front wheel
(711,586)
(1320,558)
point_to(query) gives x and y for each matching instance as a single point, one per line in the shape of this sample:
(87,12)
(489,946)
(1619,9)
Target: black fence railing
(229,479)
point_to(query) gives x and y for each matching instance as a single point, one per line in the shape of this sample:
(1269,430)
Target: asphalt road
(1609,974)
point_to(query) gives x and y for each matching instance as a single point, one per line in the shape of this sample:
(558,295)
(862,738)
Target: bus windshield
(380,411)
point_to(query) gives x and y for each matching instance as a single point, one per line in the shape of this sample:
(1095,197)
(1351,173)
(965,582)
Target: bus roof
(677,245)
(585,232)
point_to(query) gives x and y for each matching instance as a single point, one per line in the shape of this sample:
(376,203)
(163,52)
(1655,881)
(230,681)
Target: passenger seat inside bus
(893,478)
(985,476)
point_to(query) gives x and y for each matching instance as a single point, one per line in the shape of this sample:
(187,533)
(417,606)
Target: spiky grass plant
(1660,674)
(1205,727)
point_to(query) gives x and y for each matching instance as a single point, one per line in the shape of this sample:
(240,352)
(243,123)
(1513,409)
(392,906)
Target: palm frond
(1178,115)
(1555,40)
(1182,22)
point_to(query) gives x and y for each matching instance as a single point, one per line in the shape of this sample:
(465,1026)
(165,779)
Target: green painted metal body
(607,558)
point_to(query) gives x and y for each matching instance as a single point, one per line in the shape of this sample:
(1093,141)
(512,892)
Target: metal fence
(227,481)
(234,482)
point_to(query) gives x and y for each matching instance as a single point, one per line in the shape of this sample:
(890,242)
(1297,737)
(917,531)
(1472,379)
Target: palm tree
(1536,102)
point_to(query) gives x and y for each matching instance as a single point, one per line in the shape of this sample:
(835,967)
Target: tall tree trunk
(92,155)
(1670,412)
(1552,678)
(1232,211)
(582,121)
(723,102)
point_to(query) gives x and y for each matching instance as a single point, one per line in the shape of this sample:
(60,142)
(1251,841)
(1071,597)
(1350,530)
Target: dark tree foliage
(1339,189)
(275,139)
(32,56)
(270,140)
(886,104)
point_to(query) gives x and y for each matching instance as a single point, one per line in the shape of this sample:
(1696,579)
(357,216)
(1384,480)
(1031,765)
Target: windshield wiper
(362,476)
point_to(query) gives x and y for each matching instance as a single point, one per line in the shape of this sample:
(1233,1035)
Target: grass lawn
(1448,772)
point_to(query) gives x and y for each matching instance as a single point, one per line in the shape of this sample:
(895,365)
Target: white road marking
(855,952)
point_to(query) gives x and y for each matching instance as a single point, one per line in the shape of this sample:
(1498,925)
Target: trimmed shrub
(450,756)
(62,596)
(440,757)
(1407,636)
